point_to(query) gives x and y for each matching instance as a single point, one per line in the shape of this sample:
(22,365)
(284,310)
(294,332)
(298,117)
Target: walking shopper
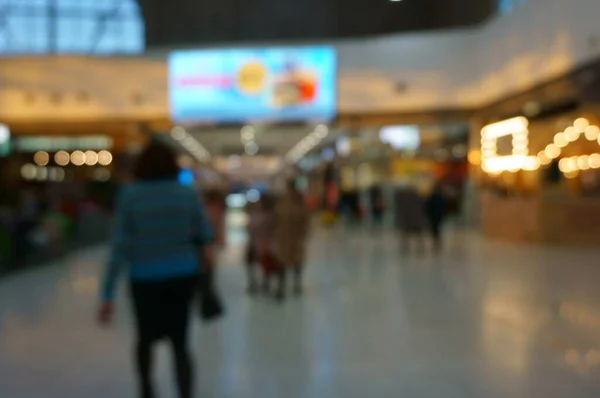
(260,244)
(410,217)
(159,232)
(292,221)
(435,206)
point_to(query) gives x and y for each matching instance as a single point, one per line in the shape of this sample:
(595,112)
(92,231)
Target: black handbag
(211,306)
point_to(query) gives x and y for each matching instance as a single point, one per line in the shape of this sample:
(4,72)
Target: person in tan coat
(292,221)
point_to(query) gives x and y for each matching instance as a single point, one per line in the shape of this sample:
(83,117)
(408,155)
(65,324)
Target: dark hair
(156,162)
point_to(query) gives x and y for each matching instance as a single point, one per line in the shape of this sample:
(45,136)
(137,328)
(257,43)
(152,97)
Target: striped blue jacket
(159,227)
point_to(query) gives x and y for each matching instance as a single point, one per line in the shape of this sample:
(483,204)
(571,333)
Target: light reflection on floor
(482,320)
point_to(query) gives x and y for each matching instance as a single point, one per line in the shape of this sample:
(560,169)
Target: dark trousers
(162,312)
(282,272)
(435,228)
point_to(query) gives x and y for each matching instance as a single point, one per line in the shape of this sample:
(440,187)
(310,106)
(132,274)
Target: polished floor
(481,320)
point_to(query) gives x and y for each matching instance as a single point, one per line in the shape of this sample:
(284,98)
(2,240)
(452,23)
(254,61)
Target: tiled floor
(483,320)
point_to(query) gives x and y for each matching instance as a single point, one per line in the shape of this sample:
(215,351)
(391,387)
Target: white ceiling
(271,140)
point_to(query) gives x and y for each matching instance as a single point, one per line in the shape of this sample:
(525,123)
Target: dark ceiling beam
(193,22)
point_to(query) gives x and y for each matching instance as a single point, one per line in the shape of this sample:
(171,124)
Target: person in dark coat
(410,216)
(160,230)
(435,206)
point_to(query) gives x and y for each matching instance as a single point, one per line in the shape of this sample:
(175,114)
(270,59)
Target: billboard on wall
(246,85)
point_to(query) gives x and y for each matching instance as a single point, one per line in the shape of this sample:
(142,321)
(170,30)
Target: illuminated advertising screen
(242,85)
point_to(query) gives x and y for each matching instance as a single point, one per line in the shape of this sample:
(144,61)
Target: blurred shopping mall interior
(361,105)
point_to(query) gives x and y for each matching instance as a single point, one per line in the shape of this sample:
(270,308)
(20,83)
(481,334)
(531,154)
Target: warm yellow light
(41,158)
(581,124)
(531,163)
(506,127)
(474,157)
(572,133)
(560,140)
(571,163)
(583,162)
(563,165)
(594,161)
(488,154)
(592,133)
(572,174)
(489,145)
(519,144)
(62,158)
(552,151)
(105,158)
(543,158)
(91,158)
(520,152)
(78,158)
(519,159)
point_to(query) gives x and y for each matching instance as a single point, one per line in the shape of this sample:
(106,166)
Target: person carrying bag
(210,303)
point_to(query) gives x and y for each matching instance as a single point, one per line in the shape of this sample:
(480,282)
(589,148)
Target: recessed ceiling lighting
(178,133)
(251,149)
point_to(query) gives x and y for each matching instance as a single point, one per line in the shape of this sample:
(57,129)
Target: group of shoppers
(417,216)
(277,230)
(163,238)
(164,235)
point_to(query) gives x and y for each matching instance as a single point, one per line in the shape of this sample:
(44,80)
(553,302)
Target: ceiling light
(105,158)
(56,174)
(178,133)
(594,160)
(552,151)
(592,133)
(321,130)
(251,149)
(572,133)
(61,158)
(41,173)
(561,141)
(247,133)
(91,158)
(581,124)
(28,171)
(78,158)
(41,158)
(543,158)
(583,162)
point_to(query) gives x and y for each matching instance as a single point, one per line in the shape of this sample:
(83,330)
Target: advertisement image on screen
(271,84)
